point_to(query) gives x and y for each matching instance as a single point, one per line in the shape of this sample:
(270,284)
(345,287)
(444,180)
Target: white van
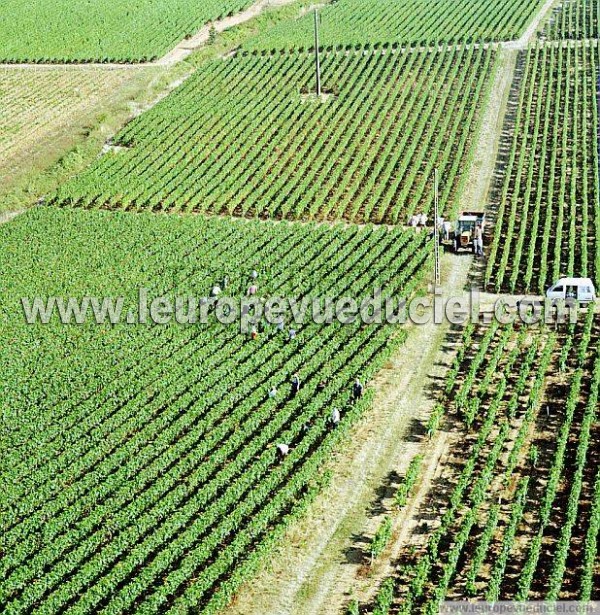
(581,289)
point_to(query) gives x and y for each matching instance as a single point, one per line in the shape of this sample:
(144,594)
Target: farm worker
(254,333)
(321,386)
(447,230)
(254,274)
(357,390)
(478,240)
(335,417)
(225,282)
(414,221)
(252,290)
(292,334)
(273,393)
(283,450)
(295,384)
(440,227)
(216,291)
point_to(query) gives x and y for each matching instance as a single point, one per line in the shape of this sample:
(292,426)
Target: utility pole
(317,62)
(436,227)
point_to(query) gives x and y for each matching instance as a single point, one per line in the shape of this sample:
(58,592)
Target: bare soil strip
(534,26)
(187,47)
(479,180)
(7,216)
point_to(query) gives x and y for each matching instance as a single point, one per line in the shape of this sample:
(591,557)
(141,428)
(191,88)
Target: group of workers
(335,418)
(418,220)
(218,288)
(358,388)
(252,291)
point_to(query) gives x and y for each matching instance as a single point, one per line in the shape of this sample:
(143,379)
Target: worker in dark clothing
(357,390)
(295,385)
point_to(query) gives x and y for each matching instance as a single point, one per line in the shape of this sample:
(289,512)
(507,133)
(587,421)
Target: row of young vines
(547,199)
(519,519)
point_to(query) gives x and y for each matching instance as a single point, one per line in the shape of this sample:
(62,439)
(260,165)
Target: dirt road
(7,216)
(538,21)
(320,559)
(187,47)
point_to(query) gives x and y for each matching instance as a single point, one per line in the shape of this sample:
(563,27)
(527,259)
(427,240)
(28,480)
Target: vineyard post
(317,63)
(436,228)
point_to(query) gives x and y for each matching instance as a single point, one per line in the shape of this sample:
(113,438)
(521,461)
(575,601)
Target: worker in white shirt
(335,417)
(283,450)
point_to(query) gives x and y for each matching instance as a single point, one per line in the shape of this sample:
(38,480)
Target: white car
(581,289)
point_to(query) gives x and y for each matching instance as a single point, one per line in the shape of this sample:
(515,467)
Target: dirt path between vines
(479,180)
(187,47)
(7,216)
(322,563)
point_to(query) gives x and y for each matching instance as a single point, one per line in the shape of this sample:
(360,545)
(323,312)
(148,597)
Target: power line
(436,227)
